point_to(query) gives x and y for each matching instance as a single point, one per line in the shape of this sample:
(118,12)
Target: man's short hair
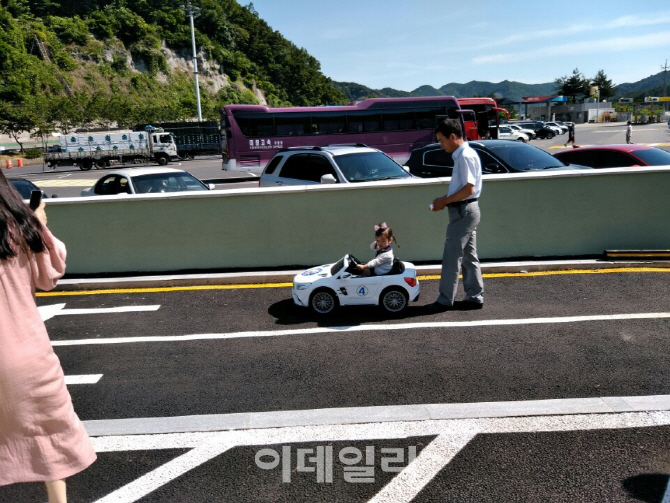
(448,127)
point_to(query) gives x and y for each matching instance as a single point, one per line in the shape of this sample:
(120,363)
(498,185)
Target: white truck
(101,149)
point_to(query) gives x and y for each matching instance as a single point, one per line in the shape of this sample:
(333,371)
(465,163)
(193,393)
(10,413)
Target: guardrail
(572,213)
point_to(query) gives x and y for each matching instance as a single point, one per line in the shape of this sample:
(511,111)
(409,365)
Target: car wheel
(521,139)
(162,160)
(85,164)
(101,163)
(394,299)
(550,135)
(323,301)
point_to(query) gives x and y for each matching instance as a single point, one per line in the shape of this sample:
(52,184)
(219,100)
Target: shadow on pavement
(649,487)
(286,312)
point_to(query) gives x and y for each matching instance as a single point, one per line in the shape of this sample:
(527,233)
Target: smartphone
(35,199)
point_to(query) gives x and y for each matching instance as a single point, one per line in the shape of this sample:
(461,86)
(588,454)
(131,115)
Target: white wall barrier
(523,215)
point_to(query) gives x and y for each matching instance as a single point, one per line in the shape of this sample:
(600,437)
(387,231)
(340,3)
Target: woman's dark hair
(18,224)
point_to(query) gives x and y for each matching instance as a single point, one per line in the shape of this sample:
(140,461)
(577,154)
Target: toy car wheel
(393,300)
(323,301)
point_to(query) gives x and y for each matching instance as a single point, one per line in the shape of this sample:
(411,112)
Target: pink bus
(251,134)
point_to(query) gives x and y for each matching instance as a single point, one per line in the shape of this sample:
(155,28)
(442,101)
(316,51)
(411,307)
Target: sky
(404,44)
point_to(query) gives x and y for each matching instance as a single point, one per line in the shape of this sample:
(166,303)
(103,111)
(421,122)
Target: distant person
(383,261)
(629,131)
(571,135)
(41,437)
(460,246)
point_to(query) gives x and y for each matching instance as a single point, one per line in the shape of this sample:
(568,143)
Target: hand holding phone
(35,199)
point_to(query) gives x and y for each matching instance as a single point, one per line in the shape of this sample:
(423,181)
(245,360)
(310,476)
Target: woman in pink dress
(41,437)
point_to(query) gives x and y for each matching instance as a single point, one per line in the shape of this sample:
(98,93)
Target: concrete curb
(265,277)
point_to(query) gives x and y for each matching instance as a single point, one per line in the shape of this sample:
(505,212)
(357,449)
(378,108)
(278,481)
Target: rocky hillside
(103,62)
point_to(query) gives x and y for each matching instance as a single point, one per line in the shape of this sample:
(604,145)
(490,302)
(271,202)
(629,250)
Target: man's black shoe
(436,307)
(468,305)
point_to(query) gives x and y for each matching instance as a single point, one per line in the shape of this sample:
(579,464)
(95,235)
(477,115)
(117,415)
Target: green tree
(573,85)
(604,85)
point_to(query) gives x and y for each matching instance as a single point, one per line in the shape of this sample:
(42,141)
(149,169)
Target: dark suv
(540,129)
(497,157)
(331,164)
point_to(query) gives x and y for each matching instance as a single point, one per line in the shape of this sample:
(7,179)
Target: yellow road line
(287,285)
(66,182)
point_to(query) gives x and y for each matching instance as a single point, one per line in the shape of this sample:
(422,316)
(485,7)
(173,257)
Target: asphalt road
(235,394)
(70,181)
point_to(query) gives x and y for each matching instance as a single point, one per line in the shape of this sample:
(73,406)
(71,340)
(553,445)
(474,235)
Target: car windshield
(337,267)
(368,166)
(167,182)
(653,157)
(523,157)
(23,187)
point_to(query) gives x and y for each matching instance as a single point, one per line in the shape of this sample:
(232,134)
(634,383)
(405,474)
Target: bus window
(426,118)
(255,125)
(329,123)
(293,124)
(363,121)
(400,120)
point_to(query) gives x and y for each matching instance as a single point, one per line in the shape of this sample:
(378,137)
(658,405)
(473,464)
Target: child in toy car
(383,261)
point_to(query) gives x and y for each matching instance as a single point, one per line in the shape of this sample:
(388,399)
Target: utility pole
(665,81)
(193,11)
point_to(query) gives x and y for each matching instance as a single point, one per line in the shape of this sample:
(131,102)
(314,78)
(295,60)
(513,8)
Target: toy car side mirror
(328,179)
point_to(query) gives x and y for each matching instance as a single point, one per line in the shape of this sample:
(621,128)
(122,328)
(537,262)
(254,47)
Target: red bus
(481,117)
(251,134)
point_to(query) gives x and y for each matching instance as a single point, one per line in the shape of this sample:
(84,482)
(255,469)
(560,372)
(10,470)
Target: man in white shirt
(460,246)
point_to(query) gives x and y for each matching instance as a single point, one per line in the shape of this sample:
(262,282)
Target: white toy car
(325,287)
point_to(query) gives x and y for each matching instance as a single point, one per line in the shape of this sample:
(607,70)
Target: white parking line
(83,379)
(363,328)
(48,312)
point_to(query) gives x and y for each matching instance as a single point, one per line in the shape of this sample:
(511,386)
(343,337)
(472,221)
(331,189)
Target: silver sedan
(145,181)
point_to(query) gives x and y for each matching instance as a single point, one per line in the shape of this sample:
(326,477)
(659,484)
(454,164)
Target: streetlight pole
(191,11)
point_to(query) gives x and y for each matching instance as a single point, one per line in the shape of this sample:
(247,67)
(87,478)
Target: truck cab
(164,147)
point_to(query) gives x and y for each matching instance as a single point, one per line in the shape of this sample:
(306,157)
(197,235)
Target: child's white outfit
(383,261)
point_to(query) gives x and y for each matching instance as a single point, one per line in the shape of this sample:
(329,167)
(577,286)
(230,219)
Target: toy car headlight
(301,286)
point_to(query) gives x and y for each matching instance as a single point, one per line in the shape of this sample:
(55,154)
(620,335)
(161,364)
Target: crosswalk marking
(451,436)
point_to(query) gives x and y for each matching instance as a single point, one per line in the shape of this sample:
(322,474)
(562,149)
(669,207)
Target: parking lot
(70,181)
(556,391)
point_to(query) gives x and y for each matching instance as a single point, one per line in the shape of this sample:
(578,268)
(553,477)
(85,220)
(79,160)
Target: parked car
(331,164)
(497,156)
(25,187)
(145,181)
(540,129)
(507,133)
(325,287)
(528,132)
(615,156)
(563,129)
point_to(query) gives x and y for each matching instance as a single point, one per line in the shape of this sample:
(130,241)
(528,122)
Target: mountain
(650,86)
(504,89)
